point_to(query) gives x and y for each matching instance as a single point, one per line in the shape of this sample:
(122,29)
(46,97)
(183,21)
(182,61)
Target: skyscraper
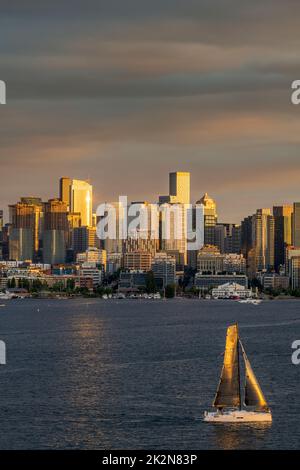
(6,231)
(228,238)
(82,201)
(1,220)
(296,225)
(114,243)
(246,235)
(142,238)
(56,230)
(21,244)
(233,241)
(1,234)
(179,193)
(210,219)
(179,189)
(84,238)
(78,196)
(263,239)
(27,215)
(179,186)
(283,232)
(65,190)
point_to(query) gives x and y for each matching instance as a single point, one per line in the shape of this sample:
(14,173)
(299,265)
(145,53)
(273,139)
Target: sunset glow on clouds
(124,92)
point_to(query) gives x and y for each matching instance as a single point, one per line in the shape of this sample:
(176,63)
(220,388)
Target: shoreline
(268,299)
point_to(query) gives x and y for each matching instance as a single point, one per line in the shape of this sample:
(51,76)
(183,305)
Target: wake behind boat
(228,399)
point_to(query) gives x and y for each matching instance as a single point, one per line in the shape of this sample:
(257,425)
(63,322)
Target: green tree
(36,286)
(151,287)
(70,284)
(170,291)
(58,286)
(256,283)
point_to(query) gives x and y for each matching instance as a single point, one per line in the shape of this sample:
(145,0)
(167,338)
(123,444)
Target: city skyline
(58,194)
(149,229)
(140,89)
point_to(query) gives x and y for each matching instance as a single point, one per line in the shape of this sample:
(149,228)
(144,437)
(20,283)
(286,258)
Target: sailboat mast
(238,362)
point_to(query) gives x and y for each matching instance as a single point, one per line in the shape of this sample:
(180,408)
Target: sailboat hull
(242,416)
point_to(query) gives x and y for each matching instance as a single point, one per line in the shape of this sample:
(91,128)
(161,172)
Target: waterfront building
(291,267)
(208,281)
(3,282)
(274,281)
(231,290)
(132,281)
(164,269)
(294,269)
(84,282)
(90,270)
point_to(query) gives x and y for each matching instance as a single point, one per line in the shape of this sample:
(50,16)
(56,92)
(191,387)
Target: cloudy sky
(124,91)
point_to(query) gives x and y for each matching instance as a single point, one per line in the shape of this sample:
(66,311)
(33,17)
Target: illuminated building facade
(210,219)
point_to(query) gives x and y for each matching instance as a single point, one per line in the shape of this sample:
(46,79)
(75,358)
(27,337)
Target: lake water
(131,374)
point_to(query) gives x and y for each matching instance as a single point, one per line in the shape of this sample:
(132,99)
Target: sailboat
(228,399)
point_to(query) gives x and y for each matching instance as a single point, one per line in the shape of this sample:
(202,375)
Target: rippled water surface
(139,374)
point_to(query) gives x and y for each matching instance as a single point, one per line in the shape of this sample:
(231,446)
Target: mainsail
(253,393)
(228,393)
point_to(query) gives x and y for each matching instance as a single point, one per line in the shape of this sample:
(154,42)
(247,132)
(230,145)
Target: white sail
(228,393)
(253,393)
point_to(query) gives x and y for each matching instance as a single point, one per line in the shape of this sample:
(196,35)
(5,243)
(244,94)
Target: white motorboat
(250,301)
(228,399)
(6,296)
